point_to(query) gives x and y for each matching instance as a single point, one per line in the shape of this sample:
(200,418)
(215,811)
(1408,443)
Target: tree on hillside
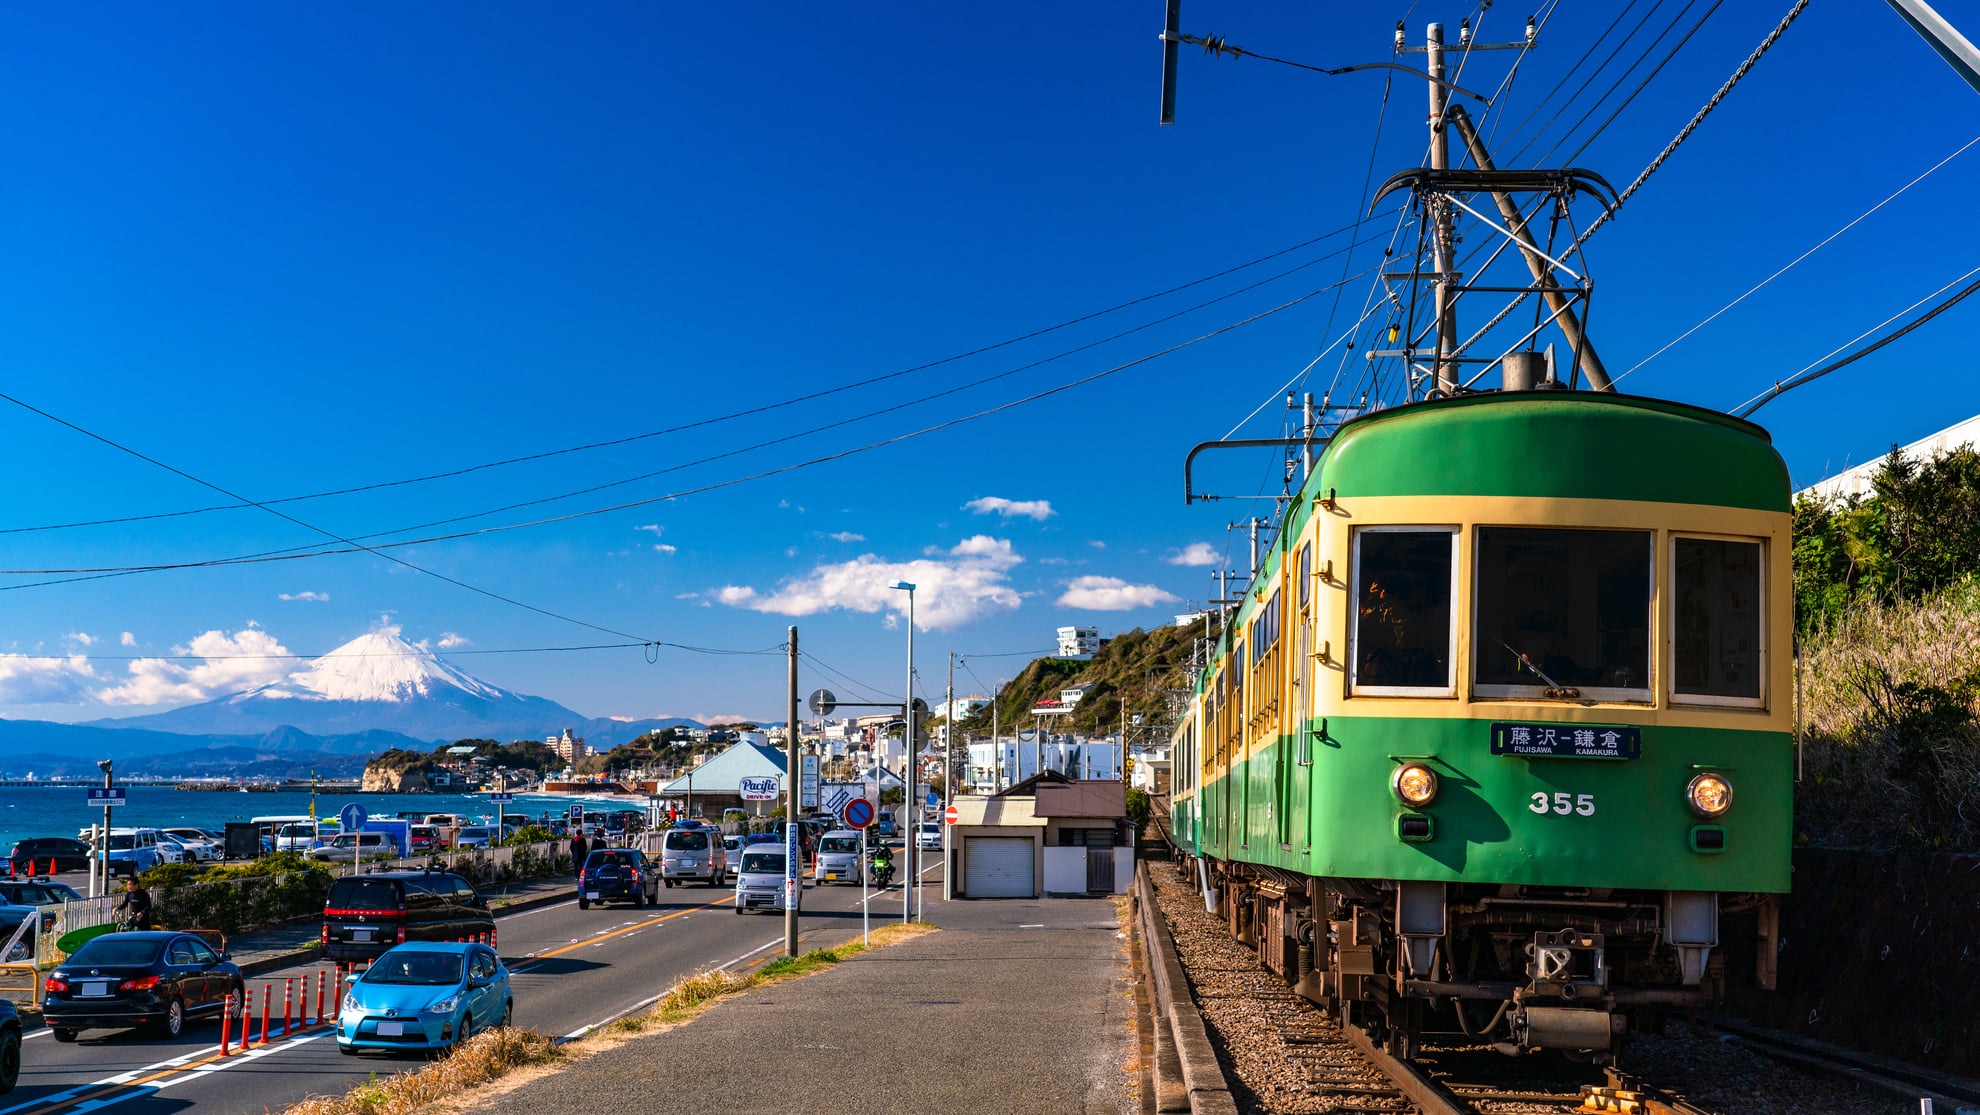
(1915,534)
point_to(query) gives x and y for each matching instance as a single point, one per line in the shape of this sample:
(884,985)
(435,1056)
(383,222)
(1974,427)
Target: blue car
(428,995)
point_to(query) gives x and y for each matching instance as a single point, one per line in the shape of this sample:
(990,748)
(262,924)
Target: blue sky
(291,249)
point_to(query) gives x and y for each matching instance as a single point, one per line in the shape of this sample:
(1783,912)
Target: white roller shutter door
(999,867)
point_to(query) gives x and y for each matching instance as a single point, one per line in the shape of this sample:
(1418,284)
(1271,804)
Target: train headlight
(1709,795)
(1415,785)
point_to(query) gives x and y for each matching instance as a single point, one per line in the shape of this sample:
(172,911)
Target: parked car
(733,846)
(160,980)
(31,857)
(478,836)
(295,838)
(22,892)
(838,858)
(887,825)
(424,996)
(928,834)
(348,846)
(12,917)
(425,838)
(10,1045)
(200,844)
(364,915)
(134,851)
(617,875)
(693,853)
(760,879)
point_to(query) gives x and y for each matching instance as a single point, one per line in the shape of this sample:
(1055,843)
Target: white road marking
(538,910)
(603,1022)
(771,943)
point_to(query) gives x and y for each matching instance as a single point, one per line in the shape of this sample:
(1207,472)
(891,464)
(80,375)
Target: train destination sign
(1567,741)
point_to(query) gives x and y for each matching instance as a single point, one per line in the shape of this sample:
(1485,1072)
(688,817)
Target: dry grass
(484,1057)
(1891,724)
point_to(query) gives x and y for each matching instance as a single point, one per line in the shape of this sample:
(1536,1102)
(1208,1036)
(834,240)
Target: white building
(1856,481)
(1075,757)
(568,748)
(1079,642)
(965,707)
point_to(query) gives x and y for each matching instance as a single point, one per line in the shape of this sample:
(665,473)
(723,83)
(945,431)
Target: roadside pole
(948,777)
(103,846)
(792,881)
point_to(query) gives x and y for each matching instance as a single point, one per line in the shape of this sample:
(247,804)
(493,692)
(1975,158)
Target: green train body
(1567,617)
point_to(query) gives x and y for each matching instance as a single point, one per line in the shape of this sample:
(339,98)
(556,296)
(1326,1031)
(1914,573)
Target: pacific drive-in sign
(760,789)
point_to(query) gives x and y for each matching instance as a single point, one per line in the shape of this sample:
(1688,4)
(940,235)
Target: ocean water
(27,811)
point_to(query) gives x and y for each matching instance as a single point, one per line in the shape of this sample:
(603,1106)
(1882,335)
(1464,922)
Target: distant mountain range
(375,692)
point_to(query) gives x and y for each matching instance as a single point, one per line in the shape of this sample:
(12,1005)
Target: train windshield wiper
(1554,688)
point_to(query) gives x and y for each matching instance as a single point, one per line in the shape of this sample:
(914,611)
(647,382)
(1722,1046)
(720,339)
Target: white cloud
(449,640)
(1038,509)
(1196,553)
(664,548)
(45,681)
(1111,594)
(127,639)
(846,536)
(656,528)
(1097,544)
(969,581)
(314,597)
(211,665)
(83,637)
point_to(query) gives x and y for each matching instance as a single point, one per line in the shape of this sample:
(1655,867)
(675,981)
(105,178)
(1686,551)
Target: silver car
(838,858)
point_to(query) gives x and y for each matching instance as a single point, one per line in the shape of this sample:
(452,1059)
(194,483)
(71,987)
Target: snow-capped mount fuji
(381,682)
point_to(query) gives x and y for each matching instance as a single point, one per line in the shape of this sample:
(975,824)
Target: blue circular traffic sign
(352,818)
(859,813)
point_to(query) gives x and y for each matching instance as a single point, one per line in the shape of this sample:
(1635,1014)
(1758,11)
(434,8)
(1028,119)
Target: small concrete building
(1049,835)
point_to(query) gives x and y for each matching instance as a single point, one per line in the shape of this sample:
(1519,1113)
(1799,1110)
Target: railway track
(1289,1056)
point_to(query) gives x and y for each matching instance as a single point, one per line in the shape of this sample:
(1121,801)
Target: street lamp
(103,843)
(907,764)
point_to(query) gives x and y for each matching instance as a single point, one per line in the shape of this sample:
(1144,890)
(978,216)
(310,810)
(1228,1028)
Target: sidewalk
(1016,1006)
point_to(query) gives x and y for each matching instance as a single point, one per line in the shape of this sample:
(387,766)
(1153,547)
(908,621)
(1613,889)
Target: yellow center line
(619,932)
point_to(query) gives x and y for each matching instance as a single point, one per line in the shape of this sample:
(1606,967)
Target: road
(571,971)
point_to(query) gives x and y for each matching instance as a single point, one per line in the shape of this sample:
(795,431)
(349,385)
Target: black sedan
(158,980)
(33,857)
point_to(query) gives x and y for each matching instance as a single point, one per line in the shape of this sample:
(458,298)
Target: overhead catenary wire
(731,416)
(1641,85)
(1810,375)
(103,572)
(302,657)
(1596,106)
(1791,264)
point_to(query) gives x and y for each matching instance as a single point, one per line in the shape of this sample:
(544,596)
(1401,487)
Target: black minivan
(366,914)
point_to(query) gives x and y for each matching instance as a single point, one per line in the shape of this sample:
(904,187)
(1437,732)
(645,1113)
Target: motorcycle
(881,869)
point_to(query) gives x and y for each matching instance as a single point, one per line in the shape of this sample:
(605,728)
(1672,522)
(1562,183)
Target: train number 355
(1563,804)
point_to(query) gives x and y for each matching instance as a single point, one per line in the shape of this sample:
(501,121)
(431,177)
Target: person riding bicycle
(133,910)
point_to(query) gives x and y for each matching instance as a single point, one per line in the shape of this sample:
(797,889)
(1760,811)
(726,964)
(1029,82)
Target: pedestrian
(133,910)
(577,853)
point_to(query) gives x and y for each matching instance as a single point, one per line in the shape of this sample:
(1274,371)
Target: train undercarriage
(1518,968)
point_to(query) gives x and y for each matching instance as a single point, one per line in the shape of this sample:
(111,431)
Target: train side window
(1715,622)
(1403,587)
(1563,609)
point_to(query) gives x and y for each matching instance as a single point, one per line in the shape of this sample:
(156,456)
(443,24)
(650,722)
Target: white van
(346,846)
(760,879)
(838,858)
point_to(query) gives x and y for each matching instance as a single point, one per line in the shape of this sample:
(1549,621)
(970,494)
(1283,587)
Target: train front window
(1716,620)
(1402,614)
(1563,610)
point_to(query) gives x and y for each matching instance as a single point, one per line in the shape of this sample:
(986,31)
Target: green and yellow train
(1503,725)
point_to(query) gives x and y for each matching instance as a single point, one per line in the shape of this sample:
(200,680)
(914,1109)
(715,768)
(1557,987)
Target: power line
(306,526)
(1806,376)
(299,657)
(103,572)
(699,423)
(1789,265)
(779,440)
(1624,76)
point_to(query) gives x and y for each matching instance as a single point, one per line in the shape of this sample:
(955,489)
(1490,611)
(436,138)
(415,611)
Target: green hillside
(1149,668)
